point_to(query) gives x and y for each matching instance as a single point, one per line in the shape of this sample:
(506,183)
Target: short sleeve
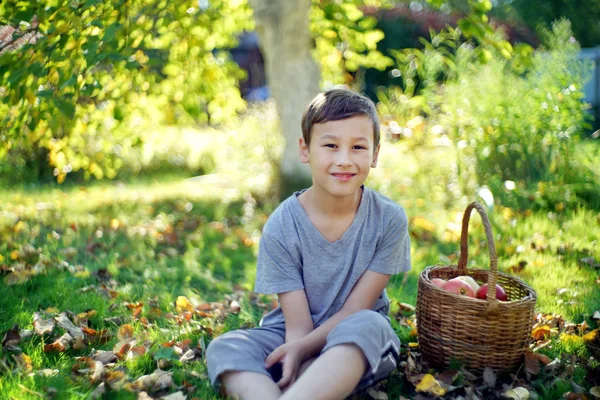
(276,270)
(392,255)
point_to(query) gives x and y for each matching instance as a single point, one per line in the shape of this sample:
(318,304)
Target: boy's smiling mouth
(343,176)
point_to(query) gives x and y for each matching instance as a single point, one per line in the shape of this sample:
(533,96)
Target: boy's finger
(272,358)
(286,376)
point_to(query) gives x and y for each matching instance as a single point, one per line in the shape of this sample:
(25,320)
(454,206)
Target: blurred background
(507,91)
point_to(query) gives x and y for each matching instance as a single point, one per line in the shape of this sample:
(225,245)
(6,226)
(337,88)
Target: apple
(438,282)
(459,286)
(474,285)
(500,293)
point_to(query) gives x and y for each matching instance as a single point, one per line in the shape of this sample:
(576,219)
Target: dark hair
(335,105)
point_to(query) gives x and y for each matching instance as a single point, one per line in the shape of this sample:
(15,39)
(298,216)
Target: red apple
(438,282)
(500,293)
(474,285)
(459,286)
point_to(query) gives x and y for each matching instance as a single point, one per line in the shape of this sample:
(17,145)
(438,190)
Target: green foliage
(345,39)
(515,120)
(540,17)
(82,80)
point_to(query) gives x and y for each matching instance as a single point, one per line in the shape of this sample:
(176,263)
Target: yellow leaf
(114,224)
(592,336)
(429,385)
(183,304)
(82,274)
(541,332)
(412,345)
(1,258)
(14,254)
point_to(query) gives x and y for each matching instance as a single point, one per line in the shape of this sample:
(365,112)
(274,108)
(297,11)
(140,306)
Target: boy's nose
(343,159)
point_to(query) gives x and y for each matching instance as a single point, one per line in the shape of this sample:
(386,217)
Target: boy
(328,252)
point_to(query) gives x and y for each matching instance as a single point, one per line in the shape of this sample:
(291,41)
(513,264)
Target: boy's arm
(363,296)
(296,312)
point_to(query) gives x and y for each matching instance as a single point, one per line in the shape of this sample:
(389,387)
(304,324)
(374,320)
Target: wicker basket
(480,333)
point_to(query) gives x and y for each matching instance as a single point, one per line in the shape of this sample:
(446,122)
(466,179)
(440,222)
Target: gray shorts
(246,350)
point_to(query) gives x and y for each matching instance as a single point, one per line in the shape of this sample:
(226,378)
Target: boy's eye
(330,145)
(360,147)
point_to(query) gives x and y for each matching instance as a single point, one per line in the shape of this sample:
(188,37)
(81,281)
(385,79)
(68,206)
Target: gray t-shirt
(294,255)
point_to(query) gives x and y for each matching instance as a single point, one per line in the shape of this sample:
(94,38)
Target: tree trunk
(292,75)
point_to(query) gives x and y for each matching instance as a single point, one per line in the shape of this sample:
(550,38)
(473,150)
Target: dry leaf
(155,381)
(532,363)
(125,332)
(429,385)
(541,332)
(98,392)
(177,396)
(64,322)
(23,362)
(60,344)
(595,392)
(234,307)
(106,357)
(12,337)
(377,394)
(518,393)
(98,371)
(489,377)
(42,326)
(183,304)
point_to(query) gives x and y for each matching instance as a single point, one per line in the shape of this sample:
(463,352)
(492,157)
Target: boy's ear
(303,151)
(375,156)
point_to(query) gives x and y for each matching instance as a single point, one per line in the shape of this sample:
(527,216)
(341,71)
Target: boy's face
(340,154)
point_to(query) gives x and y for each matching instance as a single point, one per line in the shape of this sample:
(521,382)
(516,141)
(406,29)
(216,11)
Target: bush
(513,129)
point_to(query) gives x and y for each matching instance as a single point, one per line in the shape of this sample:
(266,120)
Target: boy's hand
(291,355)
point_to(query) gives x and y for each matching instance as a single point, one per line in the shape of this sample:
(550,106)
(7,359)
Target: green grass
(162,239)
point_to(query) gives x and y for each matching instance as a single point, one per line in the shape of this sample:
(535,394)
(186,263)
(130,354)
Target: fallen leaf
(234,307)
(595,392)
(101,336)
(532,363)
(64,322)
(11,337)
(429,385)
(23,362)
(518,393)
(489,377)
(574,396)
(60,344)
(177,396)
(98,372)
(106,357)
(157,380)
(544,359)
(377,394)
(541,332)
(42,326)
(191,355)
(125,332)
(46,372)
(98,392)
(183,304)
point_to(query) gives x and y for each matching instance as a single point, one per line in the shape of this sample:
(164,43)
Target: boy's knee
(363,318)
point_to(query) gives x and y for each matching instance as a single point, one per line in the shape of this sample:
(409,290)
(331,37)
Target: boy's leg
(249,385)
(333,375)
(236,359)
(364,345)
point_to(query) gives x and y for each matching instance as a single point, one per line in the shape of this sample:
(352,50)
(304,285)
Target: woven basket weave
(480,333)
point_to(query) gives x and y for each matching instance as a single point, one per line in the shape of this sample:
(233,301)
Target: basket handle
(464,235)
